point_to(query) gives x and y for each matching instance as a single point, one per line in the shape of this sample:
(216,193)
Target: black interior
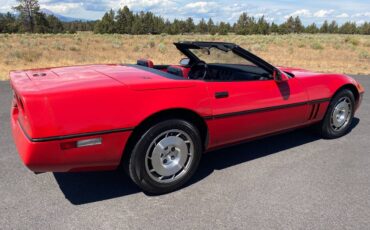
(230,72)
(175,70)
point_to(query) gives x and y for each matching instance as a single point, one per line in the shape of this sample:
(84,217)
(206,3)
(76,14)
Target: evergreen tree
(348,28)
(107,24)
(244,25)
(333,27)
(124,20)
(262,26)
(41,23)
(55,25)
(202,27)
(27,10)
(298,26)
(211,28)
(312,29)
(8,23)
(274,28)
(365,28)
(325,27)
(288,27)
(223,28)
(189,25)
(176,27)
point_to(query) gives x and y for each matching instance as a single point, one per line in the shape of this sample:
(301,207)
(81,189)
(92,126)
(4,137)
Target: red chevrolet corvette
(157,120)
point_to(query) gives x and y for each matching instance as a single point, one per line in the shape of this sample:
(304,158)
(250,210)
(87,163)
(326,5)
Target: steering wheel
(198,70)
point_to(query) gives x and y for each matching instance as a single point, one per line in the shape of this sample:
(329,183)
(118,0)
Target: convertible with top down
(156,120)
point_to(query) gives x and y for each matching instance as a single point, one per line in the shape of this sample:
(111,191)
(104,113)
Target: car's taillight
(19,102)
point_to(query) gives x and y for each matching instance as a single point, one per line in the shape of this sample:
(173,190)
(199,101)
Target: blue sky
(227,10)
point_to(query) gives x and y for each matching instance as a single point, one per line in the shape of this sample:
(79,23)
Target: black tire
(137,163)
(327,128)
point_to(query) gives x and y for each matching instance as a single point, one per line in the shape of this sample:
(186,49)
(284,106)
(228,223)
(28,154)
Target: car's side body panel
(255,108)
(110,101)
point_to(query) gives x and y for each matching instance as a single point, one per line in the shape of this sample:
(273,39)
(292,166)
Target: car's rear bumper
(48,156)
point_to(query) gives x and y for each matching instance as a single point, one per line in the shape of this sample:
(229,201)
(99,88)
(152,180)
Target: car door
(248,109)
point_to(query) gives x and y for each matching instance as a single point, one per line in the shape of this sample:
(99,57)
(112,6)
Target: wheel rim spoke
(169,156)
(342,114)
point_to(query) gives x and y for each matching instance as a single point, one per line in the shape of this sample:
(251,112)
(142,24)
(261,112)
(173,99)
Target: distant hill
(62,17)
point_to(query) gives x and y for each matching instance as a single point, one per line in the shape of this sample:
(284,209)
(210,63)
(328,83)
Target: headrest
(178,70)
(145,62)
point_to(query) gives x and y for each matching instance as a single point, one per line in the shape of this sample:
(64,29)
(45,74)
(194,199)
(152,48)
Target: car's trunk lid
(87,76)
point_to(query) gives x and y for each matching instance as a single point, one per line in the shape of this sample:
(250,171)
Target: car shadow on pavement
(88,187)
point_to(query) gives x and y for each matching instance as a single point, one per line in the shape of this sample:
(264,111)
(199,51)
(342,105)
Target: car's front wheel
(166,156)
(339,116)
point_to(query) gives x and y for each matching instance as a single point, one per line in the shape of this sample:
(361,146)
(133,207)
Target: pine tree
(325,27)
(41,23)
(55,25)
(348,28)
(190,26)
(262,26)
(107,24)
(223,28)
(333,27)
(8,23)
(27,10)
(124,20)
(202,27)
(274,28)
(211,28)
(244,25)
(365,28)
(312,29)
(298,26)
(289,25)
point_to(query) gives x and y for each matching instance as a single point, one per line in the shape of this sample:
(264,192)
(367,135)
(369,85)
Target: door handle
(219,95)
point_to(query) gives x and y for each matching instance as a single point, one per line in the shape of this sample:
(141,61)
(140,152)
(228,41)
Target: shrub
(352,40)
(162,48)
(317,46)
(151,44)
(116,44)
(364,55)
(74,48)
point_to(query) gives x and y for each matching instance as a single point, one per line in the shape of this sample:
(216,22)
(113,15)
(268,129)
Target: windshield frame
(185,48)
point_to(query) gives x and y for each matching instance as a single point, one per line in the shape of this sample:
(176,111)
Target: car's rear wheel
(339,116)
(165,157)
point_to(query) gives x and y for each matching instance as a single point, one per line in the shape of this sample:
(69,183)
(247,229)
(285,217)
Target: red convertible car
(157,120)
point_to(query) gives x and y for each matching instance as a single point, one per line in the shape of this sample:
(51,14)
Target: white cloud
(323,13)
(62,7)
(259,15)
(360,22)
(302,12)
(344,15)
(142,4)
(201,7)
(365,14)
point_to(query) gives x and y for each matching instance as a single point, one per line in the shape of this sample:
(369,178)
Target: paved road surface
(291,181)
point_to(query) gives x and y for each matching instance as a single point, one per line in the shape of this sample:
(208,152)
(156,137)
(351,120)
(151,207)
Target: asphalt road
(290,181)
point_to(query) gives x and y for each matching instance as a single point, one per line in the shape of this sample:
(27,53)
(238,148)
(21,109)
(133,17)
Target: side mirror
(279,76)
(184,62)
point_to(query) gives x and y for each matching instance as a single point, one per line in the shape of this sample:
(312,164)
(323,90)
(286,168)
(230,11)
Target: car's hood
(298,72)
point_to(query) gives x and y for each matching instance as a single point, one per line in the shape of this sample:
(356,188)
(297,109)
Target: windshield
(214,55)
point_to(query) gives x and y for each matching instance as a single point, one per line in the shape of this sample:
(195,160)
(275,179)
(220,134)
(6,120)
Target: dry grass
(326,53)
